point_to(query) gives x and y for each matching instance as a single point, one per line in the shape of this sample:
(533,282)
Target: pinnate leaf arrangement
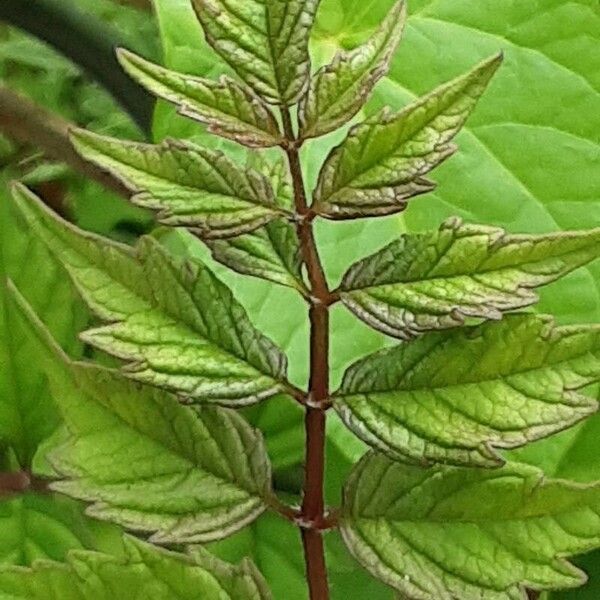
(159,446)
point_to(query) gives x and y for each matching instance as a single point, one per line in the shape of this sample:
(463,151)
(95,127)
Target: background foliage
(529,162)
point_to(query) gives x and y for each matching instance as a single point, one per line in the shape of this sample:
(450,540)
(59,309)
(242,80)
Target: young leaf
(339,90)
(448,533)
(272,252)
(146,462)
(174,322)
(453,397)
(226,107)
(264,41)
(145,571)
(435,280)
(382,162)
(188,185)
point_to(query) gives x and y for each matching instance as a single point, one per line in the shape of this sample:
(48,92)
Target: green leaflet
(272,252)
(144,572)
(449,533)
(46,526)
(436,280)
(227,108)
(144,461)
(339,90)
(382,162)
(264,41)
(173,321)
(188,185)
(27,413)
(453,397)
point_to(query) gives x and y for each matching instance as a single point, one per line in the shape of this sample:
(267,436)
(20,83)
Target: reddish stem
(312,513)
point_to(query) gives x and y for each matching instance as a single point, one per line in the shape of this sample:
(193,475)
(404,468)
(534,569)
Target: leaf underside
(145,571)
(264,41)
(383,161)
(436,280)
(226,107)
(453,397)
(468,534)
(173,321)
(189,186)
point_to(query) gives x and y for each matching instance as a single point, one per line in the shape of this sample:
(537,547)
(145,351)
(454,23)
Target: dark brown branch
(312,513)
(141,4)
(19,482)
(29,123)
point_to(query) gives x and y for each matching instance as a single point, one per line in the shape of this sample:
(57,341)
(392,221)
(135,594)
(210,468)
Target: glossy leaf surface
(226,107)
(453,397)
(189,186)
(450,533)
(437,280)
(383,161)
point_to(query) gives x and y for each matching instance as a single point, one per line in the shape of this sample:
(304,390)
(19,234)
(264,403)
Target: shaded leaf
(226,107)
(436,280)
(339,90)
(27,413)
(382,162)
(188,185)
(148,463)
(453,397)
(144,571)
(449,533)
(47,526)
(173,321)
(264,41)
(273,252)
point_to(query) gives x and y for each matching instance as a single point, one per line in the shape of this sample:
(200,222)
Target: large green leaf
(144,572)
(174,322)
(188,185)
(449,533)
(339,90)
(453,397)
(265,41)
(226,107)
(146,462)
(435,280)
(383,161)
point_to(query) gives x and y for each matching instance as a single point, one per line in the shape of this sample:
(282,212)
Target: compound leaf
(452,397)
(382,162)
(188,185)
(264,41)
(434,280)
(226,107)
(448,533)
(272,252)
(339,90)
(174,322)
(145,571)
(144,461)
